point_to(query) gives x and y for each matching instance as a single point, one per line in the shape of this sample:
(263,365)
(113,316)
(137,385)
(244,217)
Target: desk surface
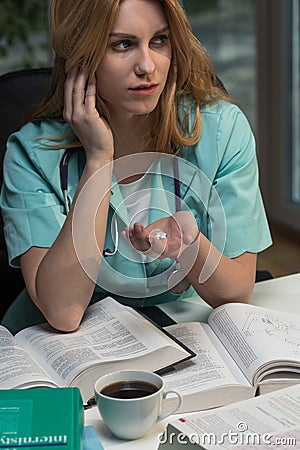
(281,293)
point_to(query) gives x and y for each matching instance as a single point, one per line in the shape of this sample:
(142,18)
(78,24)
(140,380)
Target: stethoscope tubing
(180,287)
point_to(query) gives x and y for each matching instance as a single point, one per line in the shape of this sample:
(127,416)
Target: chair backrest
(19,92)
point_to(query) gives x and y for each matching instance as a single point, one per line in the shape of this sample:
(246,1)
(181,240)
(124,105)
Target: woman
(131,88)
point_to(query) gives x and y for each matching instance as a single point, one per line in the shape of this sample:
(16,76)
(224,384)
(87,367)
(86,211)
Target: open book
(264,422)
(111,337)
(241,348)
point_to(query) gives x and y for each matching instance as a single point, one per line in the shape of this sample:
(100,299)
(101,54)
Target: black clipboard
(160,319)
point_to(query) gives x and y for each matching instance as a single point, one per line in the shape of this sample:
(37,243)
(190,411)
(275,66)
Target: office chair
(19,92)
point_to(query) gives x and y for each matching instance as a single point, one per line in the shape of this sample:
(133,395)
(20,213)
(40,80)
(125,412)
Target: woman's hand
(165,238)
(82,115)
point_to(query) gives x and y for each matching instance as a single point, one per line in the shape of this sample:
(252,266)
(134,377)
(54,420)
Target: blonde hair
(80,31)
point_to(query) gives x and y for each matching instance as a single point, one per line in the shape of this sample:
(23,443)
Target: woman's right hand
(82,115)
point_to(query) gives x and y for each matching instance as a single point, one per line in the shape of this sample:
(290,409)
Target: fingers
(80,94)
(166,238)
(137,237)
(90,96)
(152,245)
(158,242)
(68,93)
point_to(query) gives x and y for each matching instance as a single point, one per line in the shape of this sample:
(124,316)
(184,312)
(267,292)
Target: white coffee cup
(132,418)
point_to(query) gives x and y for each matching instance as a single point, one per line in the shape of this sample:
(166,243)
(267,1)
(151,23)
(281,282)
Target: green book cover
(41,418)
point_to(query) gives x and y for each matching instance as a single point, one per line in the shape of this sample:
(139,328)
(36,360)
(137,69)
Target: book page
(109,332)
(17,367)
(255,336)
(261,422)
(211,367)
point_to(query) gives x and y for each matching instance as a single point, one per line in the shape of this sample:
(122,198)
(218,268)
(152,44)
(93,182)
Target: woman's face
(135,66)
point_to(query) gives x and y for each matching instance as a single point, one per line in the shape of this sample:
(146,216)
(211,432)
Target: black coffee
(129,389)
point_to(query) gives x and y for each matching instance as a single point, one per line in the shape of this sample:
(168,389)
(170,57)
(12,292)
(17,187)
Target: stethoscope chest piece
(177,281)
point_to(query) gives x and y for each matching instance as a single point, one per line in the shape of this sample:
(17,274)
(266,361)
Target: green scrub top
(218,184)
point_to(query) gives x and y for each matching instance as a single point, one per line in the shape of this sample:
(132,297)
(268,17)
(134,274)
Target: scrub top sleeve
(236,183)
(33,212)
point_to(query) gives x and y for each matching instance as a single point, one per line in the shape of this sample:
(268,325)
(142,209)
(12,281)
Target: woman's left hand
(165,238)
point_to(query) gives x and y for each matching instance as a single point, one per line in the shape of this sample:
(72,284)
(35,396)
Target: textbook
(242,350)
(267,421)
(41,418)
(111,337)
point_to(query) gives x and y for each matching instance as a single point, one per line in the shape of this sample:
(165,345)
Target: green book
(41,418)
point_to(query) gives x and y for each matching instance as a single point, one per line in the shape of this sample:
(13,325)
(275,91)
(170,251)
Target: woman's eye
(159,40)
(121,45)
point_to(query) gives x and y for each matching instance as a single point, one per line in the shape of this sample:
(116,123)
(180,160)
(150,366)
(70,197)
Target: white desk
(280,293)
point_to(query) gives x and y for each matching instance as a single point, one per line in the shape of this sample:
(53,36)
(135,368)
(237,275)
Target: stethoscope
(177,282)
